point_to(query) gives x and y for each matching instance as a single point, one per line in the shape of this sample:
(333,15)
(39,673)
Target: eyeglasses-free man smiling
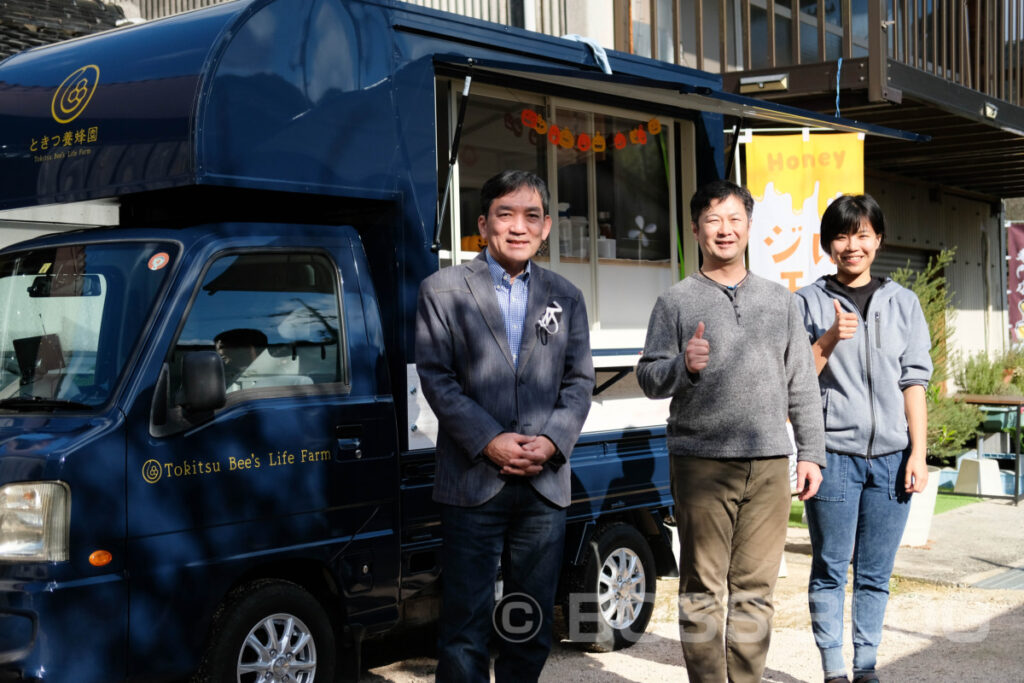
(503,356)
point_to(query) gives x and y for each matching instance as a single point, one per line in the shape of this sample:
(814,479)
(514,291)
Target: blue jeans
(860,510)
(527,533)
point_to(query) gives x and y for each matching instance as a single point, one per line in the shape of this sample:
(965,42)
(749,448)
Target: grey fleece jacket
(760,371)
(862,384)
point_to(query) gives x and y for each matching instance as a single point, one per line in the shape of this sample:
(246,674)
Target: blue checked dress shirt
(512,297)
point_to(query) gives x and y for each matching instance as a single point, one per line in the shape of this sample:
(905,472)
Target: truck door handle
(349,439)
(424,469)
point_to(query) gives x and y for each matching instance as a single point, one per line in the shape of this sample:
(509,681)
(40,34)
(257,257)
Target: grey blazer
(466,372)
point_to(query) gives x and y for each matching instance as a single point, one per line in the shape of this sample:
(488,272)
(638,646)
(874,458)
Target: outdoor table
(1001,402)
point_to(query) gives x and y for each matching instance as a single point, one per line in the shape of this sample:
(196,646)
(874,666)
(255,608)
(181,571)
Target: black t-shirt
(860,296)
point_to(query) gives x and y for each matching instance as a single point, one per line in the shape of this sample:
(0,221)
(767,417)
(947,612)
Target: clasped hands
(518,454)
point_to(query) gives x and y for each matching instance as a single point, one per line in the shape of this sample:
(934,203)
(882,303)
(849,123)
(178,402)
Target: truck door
(294,478)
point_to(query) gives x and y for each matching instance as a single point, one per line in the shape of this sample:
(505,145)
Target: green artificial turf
(944,502)
(796,513)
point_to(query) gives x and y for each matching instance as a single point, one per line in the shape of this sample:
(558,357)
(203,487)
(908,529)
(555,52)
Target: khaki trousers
(732,517)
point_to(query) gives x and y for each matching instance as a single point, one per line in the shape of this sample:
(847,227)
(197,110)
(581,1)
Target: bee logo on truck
(72,97)
(74,93)
(151,471)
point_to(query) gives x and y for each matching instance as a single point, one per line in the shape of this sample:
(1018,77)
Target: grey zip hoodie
(760,371)
(862,384)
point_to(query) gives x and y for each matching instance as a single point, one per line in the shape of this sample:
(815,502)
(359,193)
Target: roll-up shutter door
(891,258)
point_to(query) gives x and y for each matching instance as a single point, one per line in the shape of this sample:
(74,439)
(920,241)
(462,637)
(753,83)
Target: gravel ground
(932,633)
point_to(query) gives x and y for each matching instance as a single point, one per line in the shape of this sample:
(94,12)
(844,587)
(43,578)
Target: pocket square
(550,322)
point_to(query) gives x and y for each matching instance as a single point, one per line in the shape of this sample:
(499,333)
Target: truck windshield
(70,317)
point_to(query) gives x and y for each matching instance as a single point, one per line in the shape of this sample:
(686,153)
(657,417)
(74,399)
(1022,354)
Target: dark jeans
(527,533)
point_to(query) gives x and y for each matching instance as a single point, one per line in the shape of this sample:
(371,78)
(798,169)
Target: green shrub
(1013,360)
(981,374)
(951,424)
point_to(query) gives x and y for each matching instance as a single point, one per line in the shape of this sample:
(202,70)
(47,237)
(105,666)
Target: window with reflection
(272,317)
(611,205)
(632,190)
(613,216)
(495,137)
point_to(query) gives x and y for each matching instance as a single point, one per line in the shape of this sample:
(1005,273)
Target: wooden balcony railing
(974,43)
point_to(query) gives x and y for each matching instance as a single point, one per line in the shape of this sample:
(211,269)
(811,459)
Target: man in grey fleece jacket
(731,351)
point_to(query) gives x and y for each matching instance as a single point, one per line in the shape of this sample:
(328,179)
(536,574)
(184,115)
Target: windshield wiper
(41,402)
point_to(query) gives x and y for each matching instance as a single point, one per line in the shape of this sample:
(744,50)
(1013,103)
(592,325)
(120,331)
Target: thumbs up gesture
(845,324)
(697,350)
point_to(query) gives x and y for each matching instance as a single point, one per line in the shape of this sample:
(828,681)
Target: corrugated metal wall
(917,218)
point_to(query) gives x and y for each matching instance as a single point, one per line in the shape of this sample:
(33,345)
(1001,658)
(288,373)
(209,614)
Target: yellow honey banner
(793,178)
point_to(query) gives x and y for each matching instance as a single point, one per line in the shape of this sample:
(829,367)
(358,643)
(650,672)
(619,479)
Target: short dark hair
(717,190)
(844,215)
(509,181)
(242,336)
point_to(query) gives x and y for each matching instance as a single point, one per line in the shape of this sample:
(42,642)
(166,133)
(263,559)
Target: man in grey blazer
(503,356)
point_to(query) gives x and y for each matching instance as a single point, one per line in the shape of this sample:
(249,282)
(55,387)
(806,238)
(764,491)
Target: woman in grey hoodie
(870,343)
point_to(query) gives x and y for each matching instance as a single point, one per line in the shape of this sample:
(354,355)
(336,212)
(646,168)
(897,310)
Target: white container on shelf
(573,237)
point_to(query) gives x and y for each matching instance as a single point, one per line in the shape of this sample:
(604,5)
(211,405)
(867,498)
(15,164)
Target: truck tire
(611,597)
(269,627)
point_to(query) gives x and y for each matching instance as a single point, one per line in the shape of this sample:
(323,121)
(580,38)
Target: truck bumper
(63,630)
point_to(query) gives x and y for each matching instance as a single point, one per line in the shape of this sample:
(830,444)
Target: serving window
(611,174)
(614,208)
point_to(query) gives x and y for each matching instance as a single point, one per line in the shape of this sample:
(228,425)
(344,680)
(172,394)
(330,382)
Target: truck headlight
(34,521)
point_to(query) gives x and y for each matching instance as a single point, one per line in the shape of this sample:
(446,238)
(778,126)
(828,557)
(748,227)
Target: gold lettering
(315,456)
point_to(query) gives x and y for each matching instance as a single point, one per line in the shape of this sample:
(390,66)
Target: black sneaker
(866,678)
(838,679)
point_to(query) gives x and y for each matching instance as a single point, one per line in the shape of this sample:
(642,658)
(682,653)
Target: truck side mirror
(202,381)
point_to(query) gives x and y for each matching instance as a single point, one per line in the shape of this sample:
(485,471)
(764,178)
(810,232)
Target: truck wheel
(269,631)
(612,596)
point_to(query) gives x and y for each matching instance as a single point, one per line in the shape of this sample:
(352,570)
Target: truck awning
(671,93)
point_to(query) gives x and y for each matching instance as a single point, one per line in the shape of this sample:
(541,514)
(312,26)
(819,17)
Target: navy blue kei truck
(278,167)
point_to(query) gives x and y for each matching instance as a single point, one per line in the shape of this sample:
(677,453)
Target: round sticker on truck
(158,261)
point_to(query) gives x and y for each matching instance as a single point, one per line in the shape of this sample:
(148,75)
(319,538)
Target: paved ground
(940,626)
